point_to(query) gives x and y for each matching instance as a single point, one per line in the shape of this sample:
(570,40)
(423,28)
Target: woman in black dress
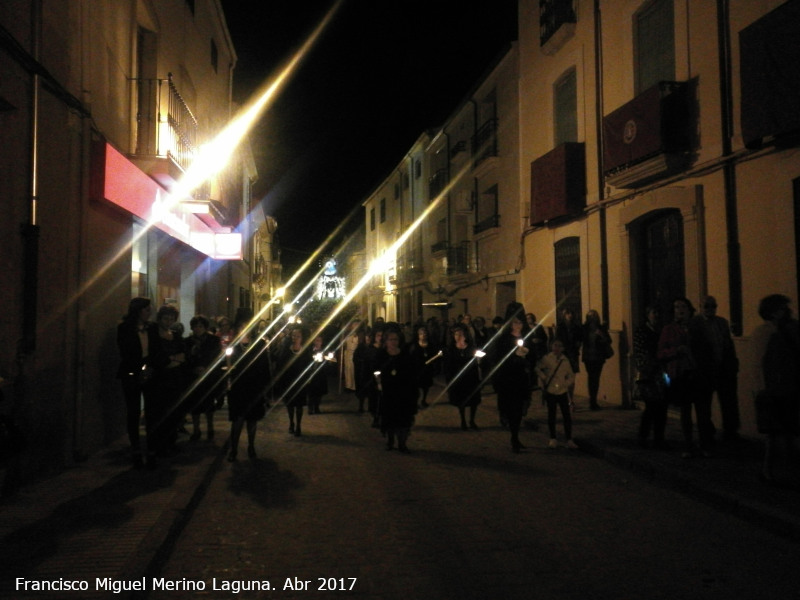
(366,366)
(203,354)
(318,385)
(463,375)
(294,362)
(596,348)
(135,335)
(512,376)
(398,394)
(247,360)
(164,408)
(422,351)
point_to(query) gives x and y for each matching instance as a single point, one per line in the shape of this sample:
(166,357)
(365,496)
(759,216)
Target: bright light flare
(214,156)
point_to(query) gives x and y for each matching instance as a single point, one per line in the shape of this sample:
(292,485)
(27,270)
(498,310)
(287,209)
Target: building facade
(109,102)
(446,225)
(667,163)
(655,143)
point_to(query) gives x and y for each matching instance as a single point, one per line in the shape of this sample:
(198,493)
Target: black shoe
(404,449)
(251,452)
(473,425)
(297,432)
(464,425)
(291,427)
(232,456)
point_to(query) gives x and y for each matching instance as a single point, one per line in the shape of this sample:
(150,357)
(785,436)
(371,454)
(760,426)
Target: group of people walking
(515,358)
(176,376)
(391,369)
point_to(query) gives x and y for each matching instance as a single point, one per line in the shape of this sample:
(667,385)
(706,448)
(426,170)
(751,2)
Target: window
(214,56)
(654,45)
(417,169)
(552,15)
(486,215)
(568,274)
(441,236)
(383,210)
(396,191)
(245,298)
(565,108)
(372,219)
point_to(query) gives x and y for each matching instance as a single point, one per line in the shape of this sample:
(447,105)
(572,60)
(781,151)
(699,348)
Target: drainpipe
(30,230)
(598,75)
(729,169)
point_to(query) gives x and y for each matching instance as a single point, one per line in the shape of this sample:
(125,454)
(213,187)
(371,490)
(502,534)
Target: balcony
(651,136)
(484,142)
(439,247)
(409,266)
(165,126)
(458,259)
(458,148)
(556,24)
(436,183)
(558,183)
(167,142)
(486,224)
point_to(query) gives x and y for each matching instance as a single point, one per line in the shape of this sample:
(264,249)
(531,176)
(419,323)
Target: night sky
(384,72)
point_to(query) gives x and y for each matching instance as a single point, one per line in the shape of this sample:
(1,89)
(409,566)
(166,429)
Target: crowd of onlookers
(682,361)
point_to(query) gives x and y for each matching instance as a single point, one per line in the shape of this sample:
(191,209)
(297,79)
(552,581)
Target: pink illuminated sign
(127,186)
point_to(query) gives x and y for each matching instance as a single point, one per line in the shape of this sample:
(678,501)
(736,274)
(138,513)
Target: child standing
(557,378)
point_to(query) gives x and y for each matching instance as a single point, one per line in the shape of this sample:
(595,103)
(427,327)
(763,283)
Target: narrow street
(460,517)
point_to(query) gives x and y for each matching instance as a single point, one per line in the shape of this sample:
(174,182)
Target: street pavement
(102,519)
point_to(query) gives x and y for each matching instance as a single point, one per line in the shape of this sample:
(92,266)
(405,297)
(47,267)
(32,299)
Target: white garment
(350,345)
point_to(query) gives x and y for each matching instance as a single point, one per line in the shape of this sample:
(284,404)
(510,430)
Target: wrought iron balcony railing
(484,142)
(166,126)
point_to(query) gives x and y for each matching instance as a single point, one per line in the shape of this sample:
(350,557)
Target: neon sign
(127,186)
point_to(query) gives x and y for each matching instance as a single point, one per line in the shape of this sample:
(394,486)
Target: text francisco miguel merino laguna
(180,585)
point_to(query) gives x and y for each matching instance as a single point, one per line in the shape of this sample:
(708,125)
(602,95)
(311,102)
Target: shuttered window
(654,37)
